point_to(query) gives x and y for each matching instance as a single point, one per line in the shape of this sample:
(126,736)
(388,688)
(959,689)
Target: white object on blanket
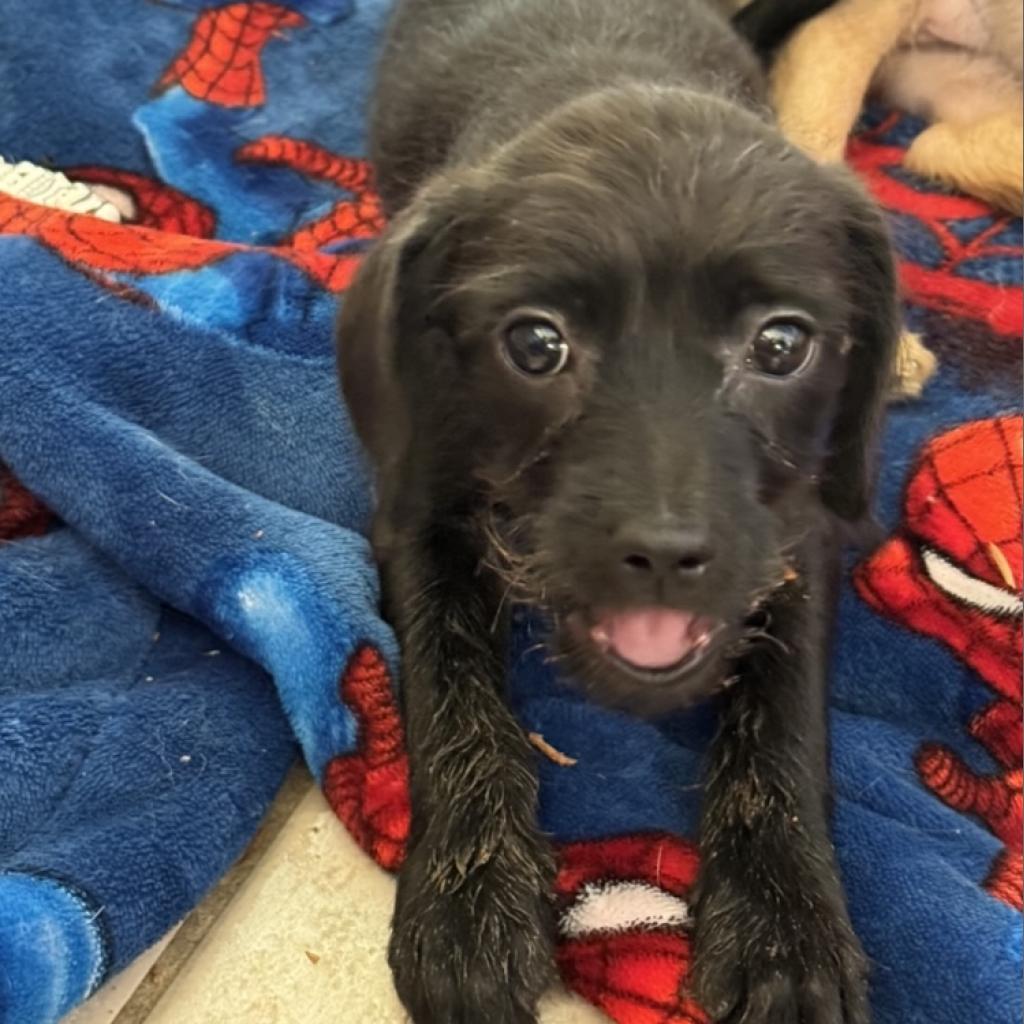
(621,907)
(25,180)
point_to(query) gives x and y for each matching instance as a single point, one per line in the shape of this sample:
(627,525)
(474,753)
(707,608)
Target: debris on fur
(563,760)
(998,559)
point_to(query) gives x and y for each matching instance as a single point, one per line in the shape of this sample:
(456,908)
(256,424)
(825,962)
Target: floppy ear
(848,481)
(389,297)
(366,331)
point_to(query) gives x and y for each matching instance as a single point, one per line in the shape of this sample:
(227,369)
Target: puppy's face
(636,343)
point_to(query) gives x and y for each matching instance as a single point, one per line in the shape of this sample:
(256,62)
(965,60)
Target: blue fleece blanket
(186,589)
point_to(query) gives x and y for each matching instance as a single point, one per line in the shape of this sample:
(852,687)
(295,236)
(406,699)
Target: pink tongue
(647,637)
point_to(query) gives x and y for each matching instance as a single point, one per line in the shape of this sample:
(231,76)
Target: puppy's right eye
(536,347)
(780,348)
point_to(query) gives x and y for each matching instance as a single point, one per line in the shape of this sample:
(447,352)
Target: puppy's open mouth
(656,644)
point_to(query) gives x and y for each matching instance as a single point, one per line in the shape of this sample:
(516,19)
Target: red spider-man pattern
(351,174)
(22,514)
(633,969)
(369,789)
(941,288)
(155,204)
(99,247)
(348,220)
(633,976)
(221,63)
(102,246)
(995,800)
(953,571)
(622,901)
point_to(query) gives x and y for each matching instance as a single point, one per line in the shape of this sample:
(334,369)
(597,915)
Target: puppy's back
(457,78)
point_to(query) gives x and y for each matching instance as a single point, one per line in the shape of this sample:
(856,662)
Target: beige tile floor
(297,939)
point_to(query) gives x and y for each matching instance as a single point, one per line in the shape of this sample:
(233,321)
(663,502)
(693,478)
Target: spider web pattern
(156,205)
(895,582)
(350,220)
(638,975)
(964,501)
(634,977)
(335,273)
(665,861)
(369,789)
(966,496)
(995,800)
(100,247)
(314,161)
(221,63)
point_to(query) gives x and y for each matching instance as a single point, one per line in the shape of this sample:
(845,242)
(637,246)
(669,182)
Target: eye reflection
(535,347)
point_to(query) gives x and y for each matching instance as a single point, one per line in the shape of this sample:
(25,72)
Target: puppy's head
(649,340)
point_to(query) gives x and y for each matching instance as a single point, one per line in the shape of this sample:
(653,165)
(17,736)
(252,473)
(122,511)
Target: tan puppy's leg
(983,158)
(824,70)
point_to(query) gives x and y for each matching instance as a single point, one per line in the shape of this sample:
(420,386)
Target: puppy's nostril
(660,548)
(691,563)
(638,562)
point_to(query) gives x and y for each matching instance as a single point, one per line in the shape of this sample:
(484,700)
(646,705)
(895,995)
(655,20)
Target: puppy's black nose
(663,549)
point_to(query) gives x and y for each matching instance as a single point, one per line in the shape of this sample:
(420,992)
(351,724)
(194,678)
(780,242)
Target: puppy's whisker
(534,648)
(501,607)
(752,640)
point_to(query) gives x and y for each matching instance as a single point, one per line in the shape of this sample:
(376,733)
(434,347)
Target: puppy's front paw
(794,957)
(476,946)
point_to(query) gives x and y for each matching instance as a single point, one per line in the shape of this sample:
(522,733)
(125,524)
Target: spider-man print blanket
(187,595)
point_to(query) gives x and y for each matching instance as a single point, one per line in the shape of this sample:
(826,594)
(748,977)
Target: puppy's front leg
(472,935)
(773,939)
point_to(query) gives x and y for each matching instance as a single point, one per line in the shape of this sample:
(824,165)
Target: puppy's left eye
(536,347)
(780,348)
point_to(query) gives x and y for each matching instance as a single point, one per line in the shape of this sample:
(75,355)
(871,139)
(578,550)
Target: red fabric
(632,976)
(964,502)
(369,789)
(156,205)
(172,231)
(221,63)
(348,220)
(941,288)
(22,514)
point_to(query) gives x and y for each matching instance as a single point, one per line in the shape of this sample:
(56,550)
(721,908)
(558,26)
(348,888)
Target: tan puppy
(956,62)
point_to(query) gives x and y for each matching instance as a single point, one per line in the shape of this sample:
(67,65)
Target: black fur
(612,163)
(766,23)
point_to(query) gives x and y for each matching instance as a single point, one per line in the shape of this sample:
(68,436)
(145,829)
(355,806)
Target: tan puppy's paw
(915,366)
(982,159)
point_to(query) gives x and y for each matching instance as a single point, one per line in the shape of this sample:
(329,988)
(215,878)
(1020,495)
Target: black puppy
(621,351)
